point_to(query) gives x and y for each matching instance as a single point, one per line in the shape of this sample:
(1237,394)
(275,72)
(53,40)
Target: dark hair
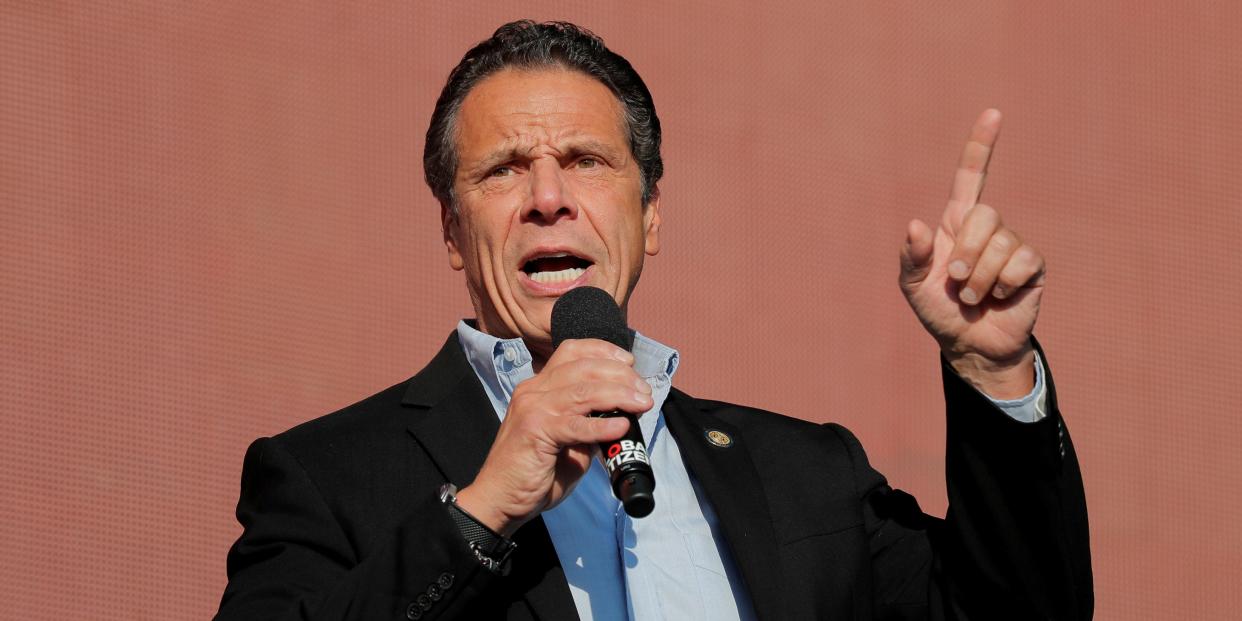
(526,44)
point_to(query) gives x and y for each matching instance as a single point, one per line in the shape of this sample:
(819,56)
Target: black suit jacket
(342,520)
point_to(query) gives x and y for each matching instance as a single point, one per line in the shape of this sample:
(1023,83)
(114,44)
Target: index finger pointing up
(972,168)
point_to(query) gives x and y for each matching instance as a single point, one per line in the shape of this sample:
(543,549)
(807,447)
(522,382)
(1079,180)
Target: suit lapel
(457,425)
(456,428)
(728,477)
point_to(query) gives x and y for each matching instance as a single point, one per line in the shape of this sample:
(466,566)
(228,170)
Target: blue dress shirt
(673,564)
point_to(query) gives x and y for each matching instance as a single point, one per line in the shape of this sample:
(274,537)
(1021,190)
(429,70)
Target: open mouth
(555,268)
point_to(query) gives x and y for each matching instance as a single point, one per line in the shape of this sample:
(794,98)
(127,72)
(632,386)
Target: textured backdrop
(214,227)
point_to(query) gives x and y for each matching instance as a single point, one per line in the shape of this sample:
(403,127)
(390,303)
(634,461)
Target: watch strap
(488,546)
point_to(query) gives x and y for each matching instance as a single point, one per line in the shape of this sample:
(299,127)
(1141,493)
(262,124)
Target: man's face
(549,198)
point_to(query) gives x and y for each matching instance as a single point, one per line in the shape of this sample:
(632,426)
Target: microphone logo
(625,452)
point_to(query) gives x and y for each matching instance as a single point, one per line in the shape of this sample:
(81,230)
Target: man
(544,154)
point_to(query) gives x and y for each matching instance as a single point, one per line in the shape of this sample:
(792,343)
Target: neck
(538,356)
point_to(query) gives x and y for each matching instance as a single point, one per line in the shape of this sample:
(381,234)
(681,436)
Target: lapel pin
(719,438)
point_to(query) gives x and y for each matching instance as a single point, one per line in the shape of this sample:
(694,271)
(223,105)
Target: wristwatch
(488,546)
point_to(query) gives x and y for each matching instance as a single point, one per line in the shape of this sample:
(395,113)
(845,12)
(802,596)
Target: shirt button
(445,581)
(510,355)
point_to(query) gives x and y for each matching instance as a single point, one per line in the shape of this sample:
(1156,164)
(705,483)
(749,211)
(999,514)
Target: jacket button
(435,592)
(413,612)
(423,602)
(445,581)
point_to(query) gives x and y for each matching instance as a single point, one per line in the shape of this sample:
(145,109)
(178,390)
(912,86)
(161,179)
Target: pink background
(215,226)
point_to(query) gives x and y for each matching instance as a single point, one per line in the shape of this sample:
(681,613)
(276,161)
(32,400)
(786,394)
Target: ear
(448,224)
(651,224)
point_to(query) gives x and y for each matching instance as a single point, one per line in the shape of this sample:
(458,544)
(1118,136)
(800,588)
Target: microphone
(591,313)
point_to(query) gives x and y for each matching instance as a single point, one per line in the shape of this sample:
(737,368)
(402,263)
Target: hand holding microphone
(590,313)
(551,430)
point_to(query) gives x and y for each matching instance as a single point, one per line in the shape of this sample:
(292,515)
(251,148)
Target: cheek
(627,232)
(486,246)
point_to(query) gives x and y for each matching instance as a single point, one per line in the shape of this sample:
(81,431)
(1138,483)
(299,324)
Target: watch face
(448,493)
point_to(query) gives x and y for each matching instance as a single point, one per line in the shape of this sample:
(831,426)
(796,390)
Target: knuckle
(987,213)
(587,348)
(583,348)
(632,376)
(519,401)
(580,392)
(595,347)
(569,349)
(1003,242)
(603,369)
(1029,255)
(970,246)
(621,393)
(577,424)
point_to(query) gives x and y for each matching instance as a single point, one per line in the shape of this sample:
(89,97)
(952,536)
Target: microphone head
(589,313)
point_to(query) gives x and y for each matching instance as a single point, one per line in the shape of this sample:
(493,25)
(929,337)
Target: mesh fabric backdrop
(214,227)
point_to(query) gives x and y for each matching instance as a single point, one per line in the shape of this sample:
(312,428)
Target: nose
(549,201)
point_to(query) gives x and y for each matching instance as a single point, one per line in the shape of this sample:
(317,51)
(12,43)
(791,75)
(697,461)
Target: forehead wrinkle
(535,118)
(571,142)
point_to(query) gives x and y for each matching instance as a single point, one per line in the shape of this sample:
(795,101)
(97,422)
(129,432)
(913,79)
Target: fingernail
(623,356)
(642,386)
(998,292)
(958,269)
(641,398)
(968,295)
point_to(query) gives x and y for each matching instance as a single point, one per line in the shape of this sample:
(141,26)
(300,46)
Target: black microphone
(590,313)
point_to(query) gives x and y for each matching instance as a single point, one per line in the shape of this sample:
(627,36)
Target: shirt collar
(497,361)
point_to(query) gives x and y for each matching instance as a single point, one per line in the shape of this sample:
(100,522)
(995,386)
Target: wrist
(476,502)
(1005,379)
(489,547)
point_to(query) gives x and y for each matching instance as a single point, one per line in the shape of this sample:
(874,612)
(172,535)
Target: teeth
(565,275)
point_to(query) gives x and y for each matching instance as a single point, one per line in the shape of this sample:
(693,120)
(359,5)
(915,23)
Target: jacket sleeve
(1014,542)
(294,560)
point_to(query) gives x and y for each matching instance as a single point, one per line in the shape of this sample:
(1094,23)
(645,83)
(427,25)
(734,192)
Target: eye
(587,162)
(500,171)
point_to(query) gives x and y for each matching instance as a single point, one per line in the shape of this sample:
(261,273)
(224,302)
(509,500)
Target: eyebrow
(497,158)
(587,145)
(575,148)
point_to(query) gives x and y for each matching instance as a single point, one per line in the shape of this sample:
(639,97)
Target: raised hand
(547,440)
(972,282)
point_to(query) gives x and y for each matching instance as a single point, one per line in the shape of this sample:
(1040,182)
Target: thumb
(916,253)
(574,430)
